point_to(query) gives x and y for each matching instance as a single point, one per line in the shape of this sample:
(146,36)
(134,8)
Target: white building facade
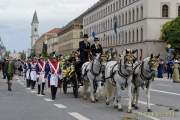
(134,24)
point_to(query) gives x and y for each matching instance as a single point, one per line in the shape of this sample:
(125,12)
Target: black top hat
(85,35)
(96,39)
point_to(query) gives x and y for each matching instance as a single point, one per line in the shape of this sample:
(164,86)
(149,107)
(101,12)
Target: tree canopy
(170,32)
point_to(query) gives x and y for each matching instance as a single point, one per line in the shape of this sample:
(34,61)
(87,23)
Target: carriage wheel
(75,87)
(65,86)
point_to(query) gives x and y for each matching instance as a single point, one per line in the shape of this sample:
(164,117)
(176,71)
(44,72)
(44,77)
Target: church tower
(34,29)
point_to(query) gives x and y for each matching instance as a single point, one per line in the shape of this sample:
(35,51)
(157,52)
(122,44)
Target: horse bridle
(125,60)
(120,70)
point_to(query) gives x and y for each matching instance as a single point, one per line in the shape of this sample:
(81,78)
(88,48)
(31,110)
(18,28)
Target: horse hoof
(149,110)
(136,107)
(92,101)
(107,103)
(97,100)
(176,110)
(115,106)
(129,111)
(120,110)
(133,105)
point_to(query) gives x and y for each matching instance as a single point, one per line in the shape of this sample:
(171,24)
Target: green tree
(170,32)
(44,50)
(22,55)
(33,54)
(7,53)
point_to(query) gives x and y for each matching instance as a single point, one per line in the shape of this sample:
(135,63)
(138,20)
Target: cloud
(16,16)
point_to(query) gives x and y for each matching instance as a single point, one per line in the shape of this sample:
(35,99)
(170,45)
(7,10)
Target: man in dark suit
(96,47)
(84,47)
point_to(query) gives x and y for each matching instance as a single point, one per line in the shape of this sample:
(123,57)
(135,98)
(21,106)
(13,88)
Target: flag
(115,24)
(93,34)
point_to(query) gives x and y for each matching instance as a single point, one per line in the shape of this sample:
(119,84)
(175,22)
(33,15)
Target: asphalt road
(23,104)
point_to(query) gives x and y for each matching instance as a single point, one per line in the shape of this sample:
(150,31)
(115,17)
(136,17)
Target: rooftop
(55,30)
(35,18)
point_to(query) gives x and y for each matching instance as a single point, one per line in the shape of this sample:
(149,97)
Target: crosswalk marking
(40,95)
(160,91)
(144,103)
(32,91)
(78,116)
(48,100)
(60,106)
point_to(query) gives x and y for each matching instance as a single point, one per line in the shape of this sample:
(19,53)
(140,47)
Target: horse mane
(146,61)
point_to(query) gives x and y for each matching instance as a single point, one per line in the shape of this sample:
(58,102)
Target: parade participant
(4,68)
(78,66)
(161,69)
(28,71)
(33,73)
(170,69)
(10,73)
(41,79)
(96,47)
(54,64)
(84,47)
(176,76)
(47,72)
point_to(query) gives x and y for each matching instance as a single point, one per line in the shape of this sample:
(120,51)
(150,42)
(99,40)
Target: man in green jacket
(10,73)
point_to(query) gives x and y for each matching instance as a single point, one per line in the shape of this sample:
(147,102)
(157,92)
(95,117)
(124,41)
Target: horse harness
(95,74)
(144,78)
(120,73)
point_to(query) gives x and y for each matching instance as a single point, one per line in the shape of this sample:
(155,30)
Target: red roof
(55,30)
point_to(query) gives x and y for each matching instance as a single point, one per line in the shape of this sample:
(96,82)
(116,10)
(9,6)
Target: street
(24,104)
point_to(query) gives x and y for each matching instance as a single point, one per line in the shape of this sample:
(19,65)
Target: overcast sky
(16,16)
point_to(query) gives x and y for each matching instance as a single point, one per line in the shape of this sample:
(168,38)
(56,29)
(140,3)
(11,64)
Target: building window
(141,34)
(111,8)
(126,38)
(165,11)
(126,2)
(123,37)
(126,18)
(178,10)
(114,7)
(123,19)
(129,16)
(133,37)
(111,23)
(122,3)
(119,4)
(141,12)
(119,38)
(137,14)
(119,20)
(129,36)
(133,15)
(137,36)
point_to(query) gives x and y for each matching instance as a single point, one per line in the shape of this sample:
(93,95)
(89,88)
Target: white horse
(118,76)
(143,76)
(92,77)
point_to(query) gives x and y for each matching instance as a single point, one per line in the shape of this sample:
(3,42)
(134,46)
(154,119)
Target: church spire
(35,18)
